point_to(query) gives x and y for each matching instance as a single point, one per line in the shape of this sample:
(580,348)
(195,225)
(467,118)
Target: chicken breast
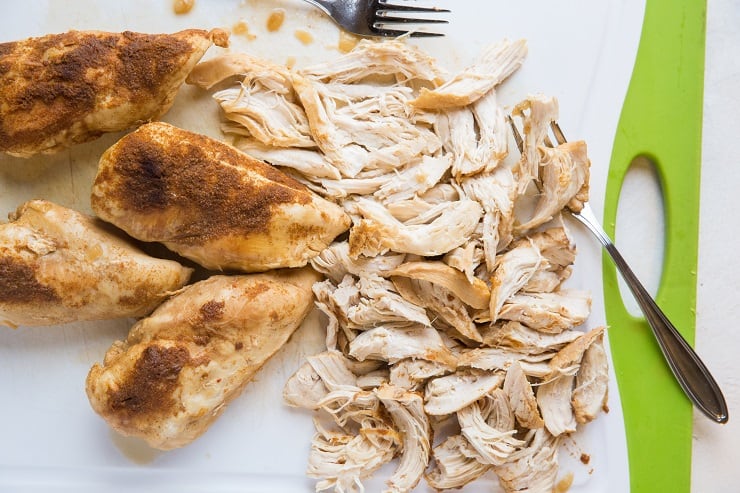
(177,369)
(58,265)
(210,202)
(65,89)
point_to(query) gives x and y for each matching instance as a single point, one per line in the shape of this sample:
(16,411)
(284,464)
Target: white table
(715,448)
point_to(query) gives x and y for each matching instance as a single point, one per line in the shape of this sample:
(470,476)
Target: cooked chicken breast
(59,266)
(210,202)
(65,89)
(177,369)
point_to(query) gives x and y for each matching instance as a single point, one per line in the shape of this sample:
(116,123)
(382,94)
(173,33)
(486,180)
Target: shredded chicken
(342,458)
(335,262)
(394,344)
(466,259)
(380,304)
(564,171)
(449,394)
(521,338)
(494,65)
(555,396)
(548,312)
(379,232)
(592,382)
(534,468)
(475,294)
(514,270)
(522,397)
(360,133)
(305,161)
(411,373)
(495,192)
(417,178)
(447,286)
(407,411)
(442,302)
(452,468)
(393,58)
(493,445)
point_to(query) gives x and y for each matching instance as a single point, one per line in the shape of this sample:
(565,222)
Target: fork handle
(690,372)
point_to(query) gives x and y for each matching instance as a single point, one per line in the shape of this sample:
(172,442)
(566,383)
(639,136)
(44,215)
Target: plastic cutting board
(661,120)
(44,368)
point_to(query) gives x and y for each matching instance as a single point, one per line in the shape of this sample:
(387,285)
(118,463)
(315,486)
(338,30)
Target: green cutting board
(661,120)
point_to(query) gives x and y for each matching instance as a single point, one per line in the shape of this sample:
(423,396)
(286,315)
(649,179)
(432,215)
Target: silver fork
(693,376)
(379,17)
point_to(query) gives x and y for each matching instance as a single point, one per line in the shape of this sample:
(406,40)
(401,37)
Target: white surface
(51,438)
(715,448)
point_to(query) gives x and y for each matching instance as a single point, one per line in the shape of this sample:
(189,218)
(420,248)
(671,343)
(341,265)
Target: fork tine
(396,32)
(558,133)
(384,5)
(517,136)
(384,17)
(425,34)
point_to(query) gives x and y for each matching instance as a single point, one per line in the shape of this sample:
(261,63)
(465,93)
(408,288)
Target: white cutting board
(582,52)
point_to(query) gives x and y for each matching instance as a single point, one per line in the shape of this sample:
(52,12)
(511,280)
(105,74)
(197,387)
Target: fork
(690,372)
(379,17)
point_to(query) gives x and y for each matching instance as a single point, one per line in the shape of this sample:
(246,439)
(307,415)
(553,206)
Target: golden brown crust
(147,389)
(19,283)
(50,86)
(154,177)
(179,367)
(58,265)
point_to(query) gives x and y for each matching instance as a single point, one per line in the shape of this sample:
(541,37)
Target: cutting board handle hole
(640,227)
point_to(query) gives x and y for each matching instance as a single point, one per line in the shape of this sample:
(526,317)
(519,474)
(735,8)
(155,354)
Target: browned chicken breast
(210,202)
(59,266)
(179,367)
(65,89)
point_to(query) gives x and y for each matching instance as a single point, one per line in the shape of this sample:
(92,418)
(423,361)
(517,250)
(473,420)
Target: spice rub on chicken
(210,202)
(58,266)
(178,368)
(65,89)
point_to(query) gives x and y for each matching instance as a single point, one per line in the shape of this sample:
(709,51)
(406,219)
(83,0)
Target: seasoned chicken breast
(210,202)
(59,266)
(177,369)
(65,89)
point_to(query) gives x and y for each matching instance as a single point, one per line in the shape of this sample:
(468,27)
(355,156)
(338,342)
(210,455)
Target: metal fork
(379,17)
(693,376)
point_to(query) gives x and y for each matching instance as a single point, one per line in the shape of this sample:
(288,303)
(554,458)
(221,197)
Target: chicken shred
(493,445)
(495,64)
(452,467)
(378,231)
(449,394)
(522,398)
